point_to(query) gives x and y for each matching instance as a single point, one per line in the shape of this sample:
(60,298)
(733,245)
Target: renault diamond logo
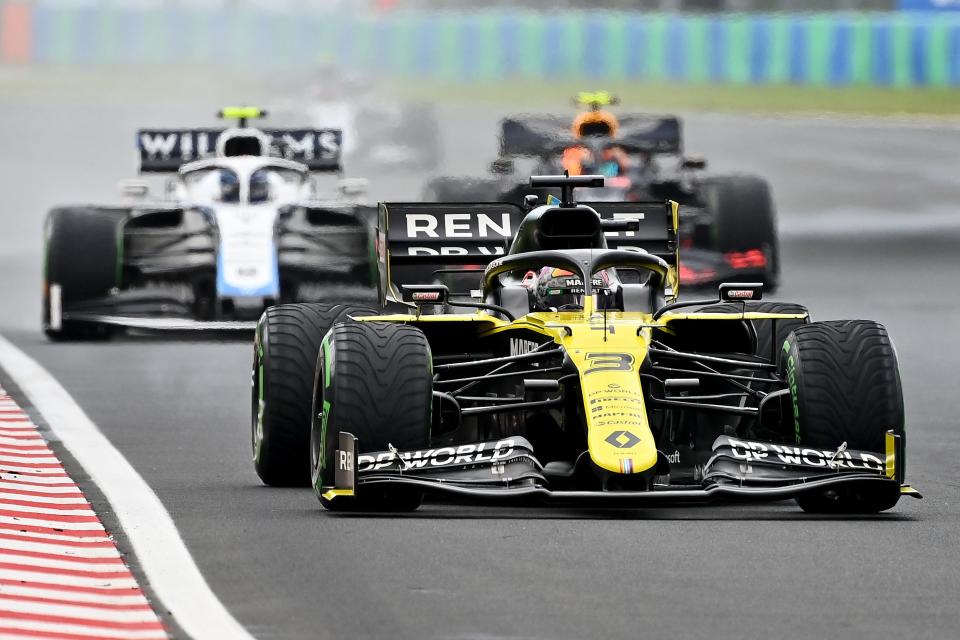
(622,439)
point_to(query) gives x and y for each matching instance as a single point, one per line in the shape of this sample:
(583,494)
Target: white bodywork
(245,194)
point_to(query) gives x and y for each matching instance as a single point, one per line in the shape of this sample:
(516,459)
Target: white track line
(94,633)
(51,546)
(61,499)
(26,573)
(128,598)
(50,524)
(75,611)
(161,553)
(85,566)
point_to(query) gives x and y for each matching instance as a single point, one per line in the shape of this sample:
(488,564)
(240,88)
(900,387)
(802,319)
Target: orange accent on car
(594,117)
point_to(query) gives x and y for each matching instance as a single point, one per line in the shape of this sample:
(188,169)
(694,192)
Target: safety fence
(896,49)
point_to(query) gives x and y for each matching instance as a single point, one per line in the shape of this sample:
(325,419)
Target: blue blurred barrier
(899,49)
(929,5)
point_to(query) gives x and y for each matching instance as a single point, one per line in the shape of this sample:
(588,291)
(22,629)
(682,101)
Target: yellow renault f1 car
(578,377)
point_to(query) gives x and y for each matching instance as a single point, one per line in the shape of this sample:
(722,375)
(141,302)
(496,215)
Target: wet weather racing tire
(80,264)
(845,387)
(744,221)
(284,360)
(374,380)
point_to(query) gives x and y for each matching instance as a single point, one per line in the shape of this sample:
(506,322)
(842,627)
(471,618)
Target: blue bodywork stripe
(270,289)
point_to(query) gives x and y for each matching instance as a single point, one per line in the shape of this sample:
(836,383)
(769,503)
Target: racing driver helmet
(259,186)
(560,290)
(229,186)
(595,123)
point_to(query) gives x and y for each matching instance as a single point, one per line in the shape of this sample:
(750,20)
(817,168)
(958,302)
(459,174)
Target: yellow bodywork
(608,351)
(238,112)
(890,463)
(332,494)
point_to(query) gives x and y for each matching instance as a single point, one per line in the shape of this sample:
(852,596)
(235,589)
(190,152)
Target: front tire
(284,357)
(373,380)
(81,263)
(845,387)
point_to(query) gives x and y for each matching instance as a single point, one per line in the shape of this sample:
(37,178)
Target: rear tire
(373,380)
(845,387)
(744,220)
(81,264)
(284,358)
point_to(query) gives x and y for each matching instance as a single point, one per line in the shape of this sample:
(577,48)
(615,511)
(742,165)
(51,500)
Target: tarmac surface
(870,229)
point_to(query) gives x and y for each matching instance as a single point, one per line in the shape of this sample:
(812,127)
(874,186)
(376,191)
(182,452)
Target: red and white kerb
(61,575)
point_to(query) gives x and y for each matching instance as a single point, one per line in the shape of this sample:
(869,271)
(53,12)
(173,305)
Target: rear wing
(535,135)
(541,135)
(417,242)
(650,134)
(166,150)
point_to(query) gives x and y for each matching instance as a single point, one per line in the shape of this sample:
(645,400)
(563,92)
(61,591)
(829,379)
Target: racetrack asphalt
(870,227)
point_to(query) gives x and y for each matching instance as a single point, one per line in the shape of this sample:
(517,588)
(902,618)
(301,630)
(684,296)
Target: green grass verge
(106,85)
(848,100)
(99,84)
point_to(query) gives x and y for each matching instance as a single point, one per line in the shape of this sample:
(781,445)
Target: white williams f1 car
(240,228)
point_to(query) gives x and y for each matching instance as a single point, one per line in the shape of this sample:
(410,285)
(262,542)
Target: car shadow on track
(756,513)
(783,511)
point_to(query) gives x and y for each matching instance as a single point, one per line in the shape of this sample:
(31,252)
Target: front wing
(507,470)
(155,310)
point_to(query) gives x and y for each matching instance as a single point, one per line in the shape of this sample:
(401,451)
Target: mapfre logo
(519,346)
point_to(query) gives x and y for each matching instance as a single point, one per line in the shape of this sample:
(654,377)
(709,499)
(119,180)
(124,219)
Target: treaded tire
(284,358)
(765,328)
(744,218)
(81,258)
(845,387)
(373,380)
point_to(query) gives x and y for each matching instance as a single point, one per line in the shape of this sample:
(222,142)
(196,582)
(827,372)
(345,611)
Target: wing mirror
(741,291)
(729,292)
(426,293)
(502,167)
(620,224)
(694,163)
(134,189)
(353,187)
